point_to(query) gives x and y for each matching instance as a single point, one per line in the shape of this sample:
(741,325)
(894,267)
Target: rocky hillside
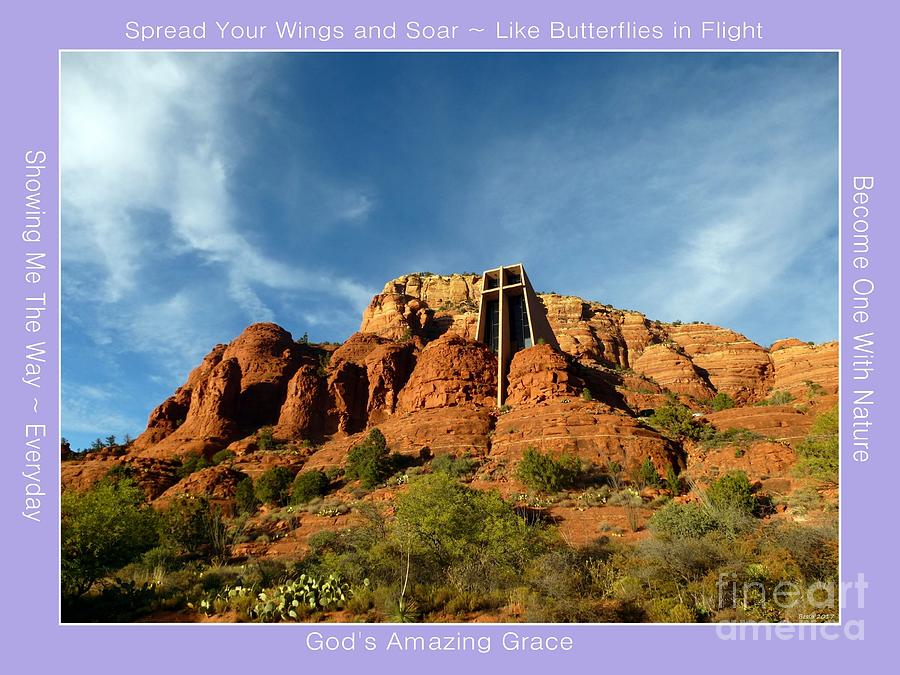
(414,371)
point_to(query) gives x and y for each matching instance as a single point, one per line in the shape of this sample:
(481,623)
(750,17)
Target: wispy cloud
(91,409)
(149,152)
(707,214)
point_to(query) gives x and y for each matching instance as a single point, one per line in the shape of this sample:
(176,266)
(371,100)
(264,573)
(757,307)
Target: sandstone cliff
(415,372)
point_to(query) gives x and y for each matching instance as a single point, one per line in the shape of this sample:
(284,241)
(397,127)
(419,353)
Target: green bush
(674,482)
(781,398)
(245,497)
(308,485)
(369,461)
(222,456)
(190,463)
(184,527)
(677,421)
(102,530)
(119,472)
(733,436)
(680,521)
(814,389)
(645,475)
(456,467)
(721,401)
(732,491)
(778,398)
(819,450)
(543,473)
(266,441)
(274,486)
(471,537)
(158,557)
(727,507)
(586,395)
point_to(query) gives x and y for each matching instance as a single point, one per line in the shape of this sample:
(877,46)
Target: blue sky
(203,192)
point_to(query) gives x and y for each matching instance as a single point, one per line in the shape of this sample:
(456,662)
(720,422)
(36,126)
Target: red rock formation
(172,412)
(462,429)
(674,371)
(805,370)
(418,304)
(435,392)
(387,363)
(591,430)
(211,421)
(778,422)
(594,331)
(267,357)
(760,460)
(541,373)
(305,405)
(152,475)
(215,482)
(357,347)
(388,368)
(734,365)
(451,371)
(348,387)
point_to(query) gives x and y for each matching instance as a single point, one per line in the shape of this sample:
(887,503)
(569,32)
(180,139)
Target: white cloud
(746,195)
(90,409)
(148,156)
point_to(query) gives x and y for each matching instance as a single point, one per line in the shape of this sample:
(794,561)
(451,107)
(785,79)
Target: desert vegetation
(379,479)
(443,550)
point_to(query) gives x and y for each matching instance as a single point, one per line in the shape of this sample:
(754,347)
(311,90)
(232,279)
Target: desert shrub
(781,398)
(119,472)
(727,507)
(191,462)
(673,563)
(471,537)
(613,473)
(308,485)
(159,557)
(778,398)
(184,526)
(677,421)
(814,389)
(324,361)
(813,550)
(274,486)
(732,491)
(102,530)
(680,521)
(804,500)
(543,473)
(721,401)
(645,475)
(733,436)
(245,497)
(456,467)
(819,450)
(369,461)
(265,439)
(586,395)
(674,482)
(221,456)
(626,497)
